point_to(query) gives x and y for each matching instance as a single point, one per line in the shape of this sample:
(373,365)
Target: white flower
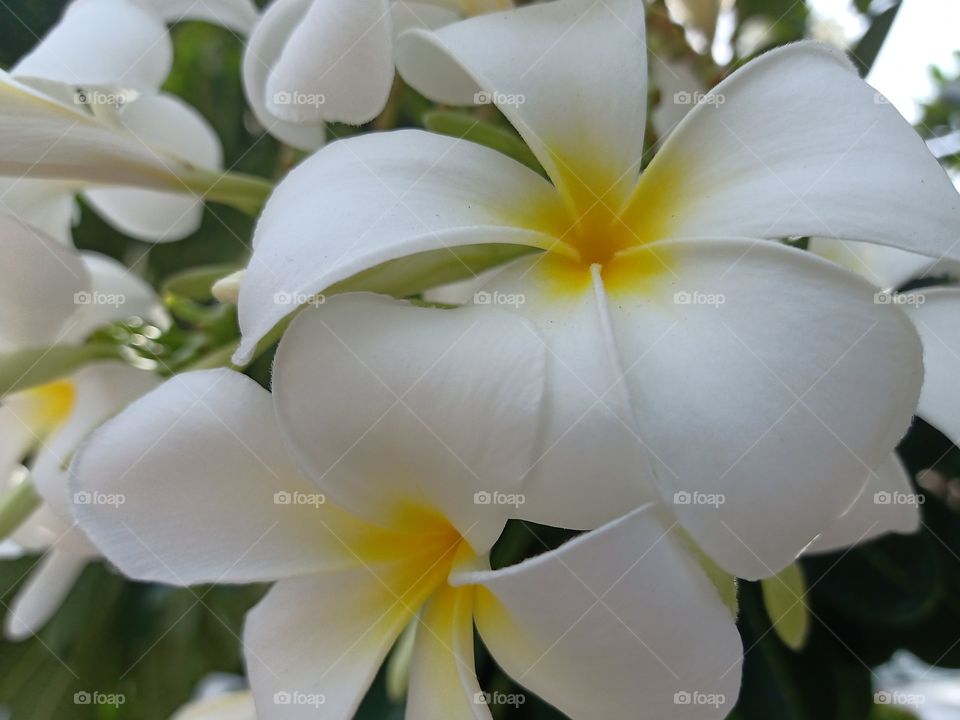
(312,61)
(82,112)
(57,296)
(412,466)
(230,706)
(685,353)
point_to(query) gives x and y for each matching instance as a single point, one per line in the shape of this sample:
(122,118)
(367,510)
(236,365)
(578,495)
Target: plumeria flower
(57,296)
(370,487)
(690,361)
(314,61)
(82,113)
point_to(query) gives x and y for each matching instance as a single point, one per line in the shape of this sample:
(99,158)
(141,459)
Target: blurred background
(884,618)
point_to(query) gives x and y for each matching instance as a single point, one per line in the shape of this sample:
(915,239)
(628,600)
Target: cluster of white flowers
(401,438)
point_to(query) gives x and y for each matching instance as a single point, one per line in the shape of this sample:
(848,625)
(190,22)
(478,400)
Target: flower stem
(246,193)
(16,505)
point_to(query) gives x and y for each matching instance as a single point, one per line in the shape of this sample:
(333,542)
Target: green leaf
(467,127)
(866,51)
(29,367)
(16,505)
(785,601)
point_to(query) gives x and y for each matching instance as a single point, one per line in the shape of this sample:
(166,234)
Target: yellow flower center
(47,407)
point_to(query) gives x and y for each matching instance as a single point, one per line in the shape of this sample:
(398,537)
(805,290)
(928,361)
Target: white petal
(886,267)
(85,49)
(232,706)
(266,44)
(795,144)
(443,680)
(37,302)
(117,293)
(391,407)
(570,75)
(384,196)
(101,390)
(410,15)
(43,138)
(43,593)
(679,88)
(236,15)
(165,123)
(47,205)
(202,472)
(590,464)
(938,323)
(769,378)
(313,645)
(887,504)
(617,623)
(337,64)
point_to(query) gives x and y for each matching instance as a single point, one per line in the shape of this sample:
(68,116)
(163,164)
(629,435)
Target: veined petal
(630,626)
(95,394)
(313,645)
(42,594)
(936,319)
(585,128)
(46,205)
(887,504)
(237,15)
(590,464)
(385,196)
(443,679)
(209,492)
(401,412)
(37,301)
(336,64)
(266,44)
(787,376)
(86,50)
(43,138)
(795,144)
(166,124)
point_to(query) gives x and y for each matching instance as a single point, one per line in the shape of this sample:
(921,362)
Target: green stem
(246,193)
(16,505)
(220,357)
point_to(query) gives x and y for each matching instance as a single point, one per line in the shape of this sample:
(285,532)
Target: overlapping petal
(43,592)
(397,411)
(386,196)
